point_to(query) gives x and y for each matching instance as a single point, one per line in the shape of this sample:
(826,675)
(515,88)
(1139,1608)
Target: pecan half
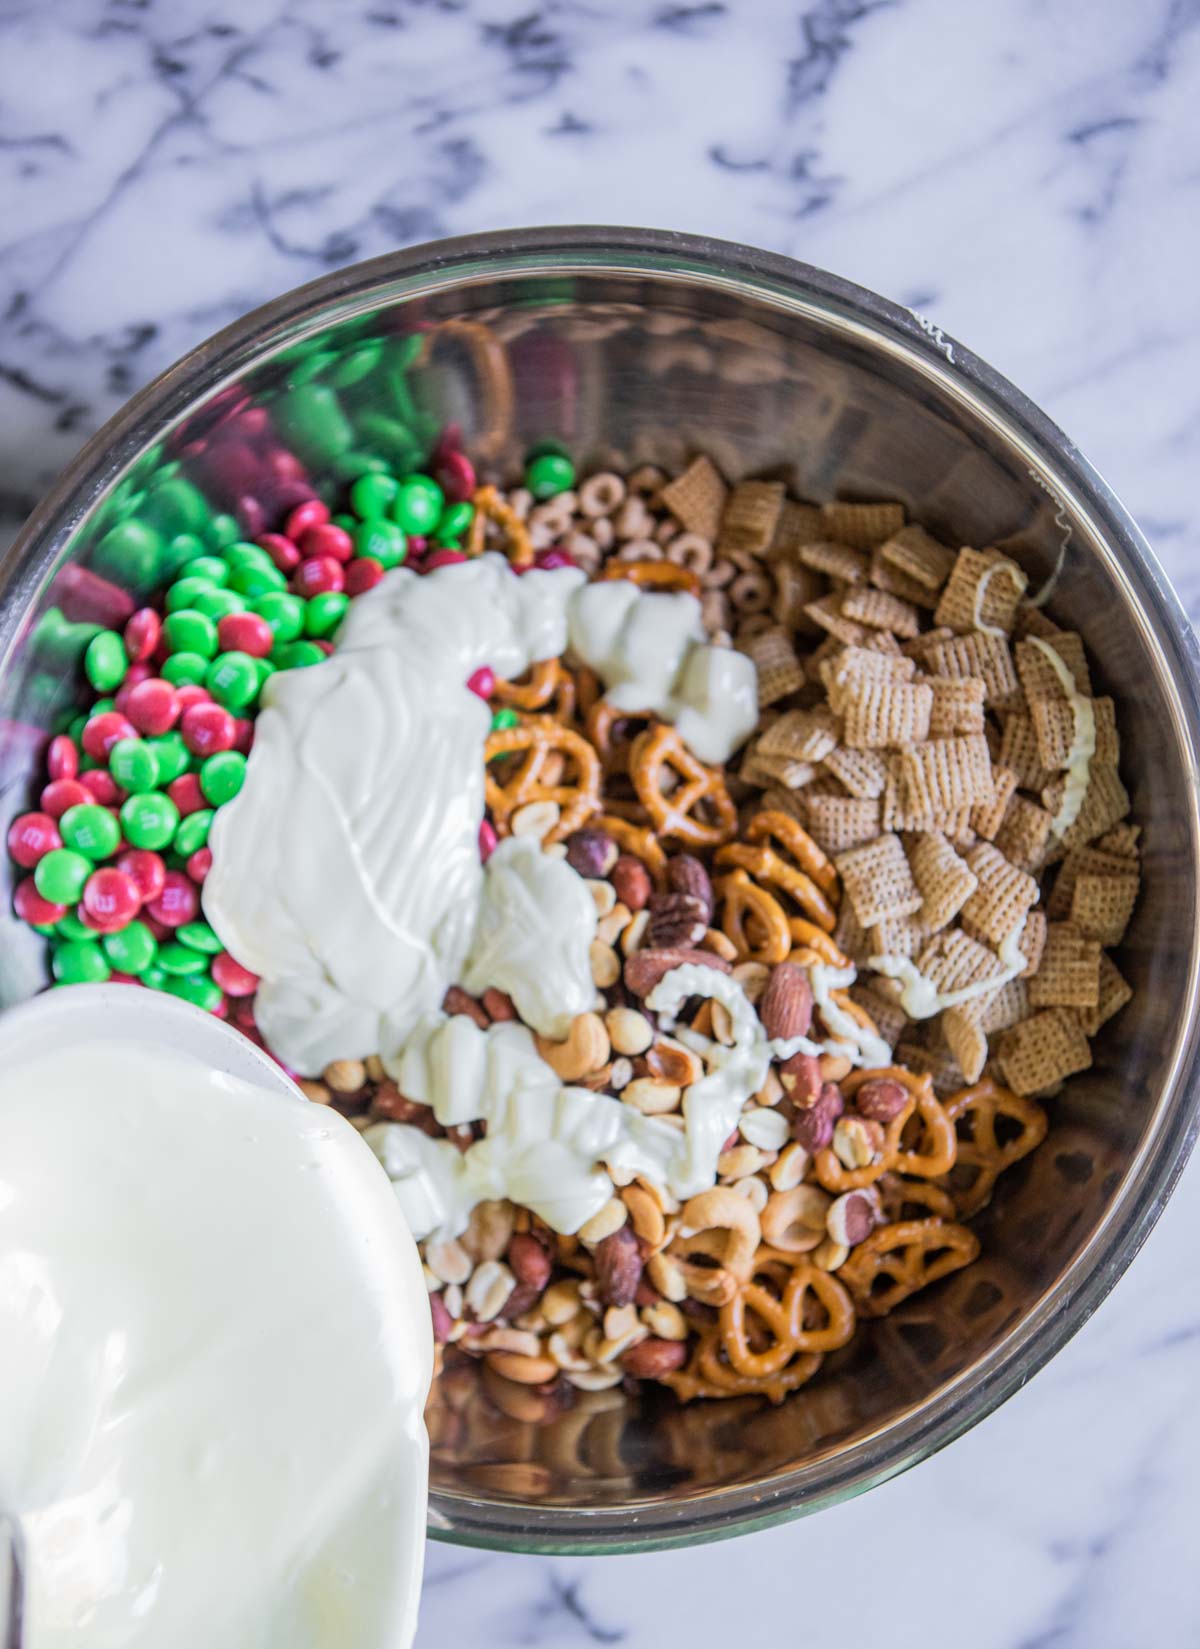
(676,919)
(685,874)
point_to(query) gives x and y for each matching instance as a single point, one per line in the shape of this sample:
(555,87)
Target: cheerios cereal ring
(774,825)
(981,1151)
(676,816)
(765,865)
(536,740)
(653,575)
(899,1255)
(743,902)
(489,506)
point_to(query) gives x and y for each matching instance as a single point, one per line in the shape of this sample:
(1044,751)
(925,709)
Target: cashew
(585,1049)
(794,1220)
(723,1226)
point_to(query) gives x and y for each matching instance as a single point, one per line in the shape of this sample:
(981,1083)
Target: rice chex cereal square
(750,517)
(839,822)
(1019,750)
(987,817)
(957,706)
(801,735)
(835,560)
(882,715)
(919,556)
(998,907)
(796,524)
(1101,906)
(1043,1050)
(1105,803)
(877,881)
(946,881)
(984,591)
(779,670)
(1069,973)
(945,774)
(977,654)
(697,498)
(880,611)
(863,772)
(1024,834)
(861,525)
(1115,991)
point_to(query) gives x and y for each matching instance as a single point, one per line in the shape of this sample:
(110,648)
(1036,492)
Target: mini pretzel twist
(489,506)
(832,1173)
(542,682)
(635,839)
(974,1113)
(912,1199)
(610,730)
(698,811)
(810,1312)
(708,1374)
(752,920)
(723,1226)
(773,825)
(653,575)
(765,865)
(815,944)
(537,742)
(896,1261)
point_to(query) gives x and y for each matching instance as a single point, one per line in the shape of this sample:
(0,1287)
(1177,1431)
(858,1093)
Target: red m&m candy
(233,978)
(179,901)
(146,870)
(111,898)
(31,837)
(60,794)
(62,758)
(153,706)
(105,730)
(208,728)
(319,574)
(245,633)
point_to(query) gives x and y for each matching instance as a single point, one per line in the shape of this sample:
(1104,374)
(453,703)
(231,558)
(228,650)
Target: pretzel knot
(636,839)
(773,825)
(765,865)
(832,1173)
(537,747)
(653,575)
(753,920)
(975,1115)
(912,1199)
(812,944)
(762,1330)
(708,1373)
(697,809)
(489,506)
(614,732)
(541,683)
(898,1260)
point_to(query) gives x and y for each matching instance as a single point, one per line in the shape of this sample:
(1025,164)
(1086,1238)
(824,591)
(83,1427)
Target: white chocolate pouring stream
(346,873)
(217,1344)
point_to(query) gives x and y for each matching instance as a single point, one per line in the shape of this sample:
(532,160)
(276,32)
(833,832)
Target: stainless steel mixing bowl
(635,346)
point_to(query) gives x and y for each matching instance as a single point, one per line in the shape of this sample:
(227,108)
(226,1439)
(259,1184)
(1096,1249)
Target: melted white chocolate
(217,1350)
(346,872)
(1083,745)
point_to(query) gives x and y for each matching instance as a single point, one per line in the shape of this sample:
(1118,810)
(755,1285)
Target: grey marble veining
(1026,173)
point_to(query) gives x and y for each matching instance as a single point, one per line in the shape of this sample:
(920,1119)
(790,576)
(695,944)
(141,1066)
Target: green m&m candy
(454,521)
(184,592)
(188,631)
(214,569)
(72,927)
(324,613)
(148,819)
(182,669)
(297,655)
(232,679)
(60,874)
(198,989)
(222,775)
(91,829)
(218,604)
(372,496)
(252,581)
(192,834)
(504,718)
(382,540)
(549,474)
(199,936)
(284,613)
(132,950)
(418,505)
(133,765)
(79,962)
(105,661)
(180,960)
(171,753)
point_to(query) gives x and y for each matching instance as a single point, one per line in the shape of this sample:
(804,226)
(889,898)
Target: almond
(813,1126)
(786,1007)
(529,1261)
(632,882)
(645,968)
(653,1358)
(618,1267)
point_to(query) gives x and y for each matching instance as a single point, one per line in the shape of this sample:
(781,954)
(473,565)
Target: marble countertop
(1026,173)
